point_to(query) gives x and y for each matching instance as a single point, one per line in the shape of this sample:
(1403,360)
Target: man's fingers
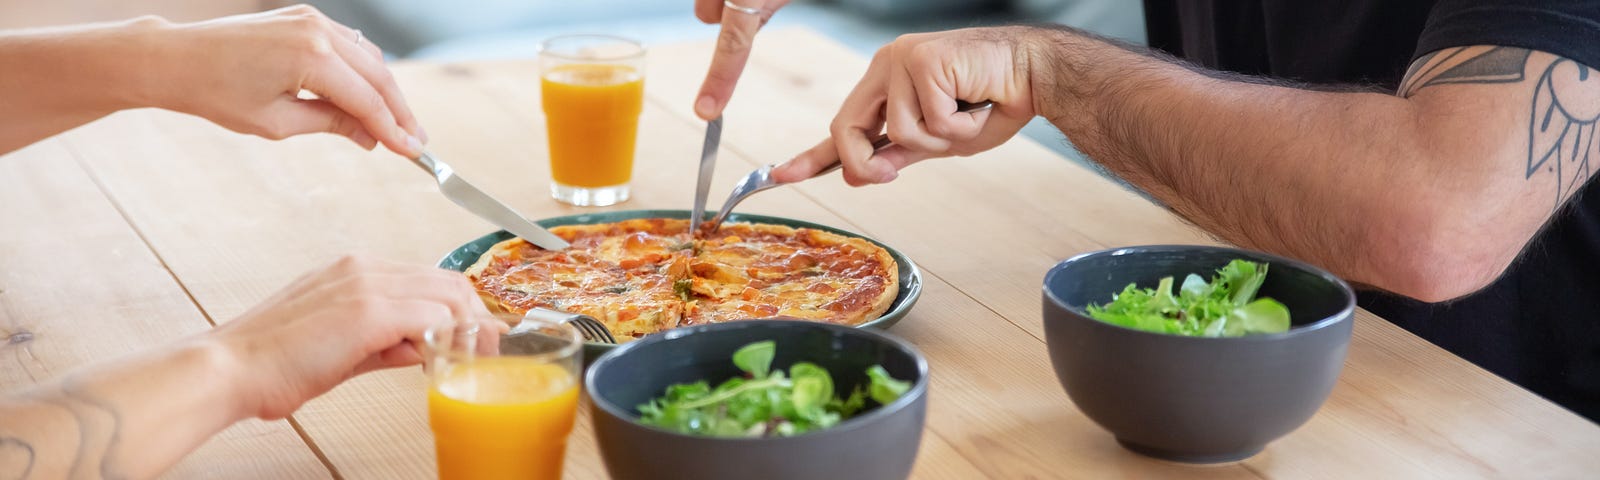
(903,114)
(727,62)
(292,116)
(859,121)
(900,157)
(939,114)
(336,81)
(807,163)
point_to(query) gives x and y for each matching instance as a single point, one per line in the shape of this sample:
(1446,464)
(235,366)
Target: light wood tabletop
(149,225)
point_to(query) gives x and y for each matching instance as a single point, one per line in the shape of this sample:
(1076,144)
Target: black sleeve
(1569,28)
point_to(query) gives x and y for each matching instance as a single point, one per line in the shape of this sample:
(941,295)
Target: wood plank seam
(111,198)
(315,449)
(824,206)
(959,452)
(77,157)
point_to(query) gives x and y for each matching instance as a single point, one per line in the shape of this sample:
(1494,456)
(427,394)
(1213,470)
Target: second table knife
(708,163)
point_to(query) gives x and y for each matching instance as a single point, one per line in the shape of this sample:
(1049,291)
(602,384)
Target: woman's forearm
(128,418)
(52,80)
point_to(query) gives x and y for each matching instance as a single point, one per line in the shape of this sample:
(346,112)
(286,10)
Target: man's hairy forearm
(129,419)
(1360,183)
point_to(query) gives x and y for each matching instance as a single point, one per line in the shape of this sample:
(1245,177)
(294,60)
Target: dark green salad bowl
(876,444)
(910,277)
(1195,399)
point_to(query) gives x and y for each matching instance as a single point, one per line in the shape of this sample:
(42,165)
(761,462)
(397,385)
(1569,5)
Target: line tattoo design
(1561,134)
(15,451)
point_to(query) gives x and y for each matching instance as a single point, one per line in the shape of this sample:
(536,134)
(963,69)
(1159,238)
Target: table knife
(461,192)
(708,163)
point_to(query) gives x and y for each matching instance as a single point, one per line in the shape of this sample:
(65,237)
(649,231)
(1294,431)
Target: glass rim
(638,52)
(573,342)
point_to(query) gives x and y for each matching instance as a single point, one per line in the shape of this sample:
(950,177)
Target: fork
(761,179)
(591,329)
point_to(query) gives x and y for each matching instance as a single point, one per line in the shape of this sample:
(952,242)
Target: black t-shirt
(1539,324)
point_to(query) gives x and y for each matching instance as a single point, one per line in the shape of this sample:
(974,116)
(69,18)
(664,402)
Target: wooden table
(186,225)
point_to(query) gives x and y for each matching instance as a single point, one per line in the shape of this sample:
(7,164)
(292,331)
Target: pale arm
(134,417)
(249,73)
(131,418)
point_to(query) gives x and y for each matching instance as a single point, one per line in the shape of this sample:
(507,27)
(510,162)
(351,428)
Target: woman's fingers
(336,81)
(708,11)
(367,61)
(740,22)
(297,116)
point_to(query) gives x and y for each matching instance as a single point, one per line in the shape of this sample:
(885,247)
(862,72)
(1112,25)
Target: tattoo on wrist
(1561,130)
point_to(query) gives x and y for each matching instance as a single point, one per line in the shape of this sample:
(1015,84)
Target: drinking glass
(592,89)
(502,405)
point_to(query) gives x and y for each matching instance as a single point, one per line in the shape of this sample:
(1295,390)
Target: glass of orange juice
(592,89)
(502,405)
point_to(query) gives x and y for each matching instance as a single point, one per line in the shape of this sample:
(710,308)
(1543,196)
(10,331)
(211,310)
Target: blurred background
(451,30)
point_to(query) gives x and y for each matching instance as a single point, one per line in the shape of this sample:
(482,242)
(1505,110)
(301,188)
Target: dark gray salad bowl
(880,443)
(1192,399)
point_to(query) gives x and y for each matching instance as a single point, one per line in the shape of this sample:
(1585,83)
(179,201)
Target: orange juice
(592,116)
(502,417)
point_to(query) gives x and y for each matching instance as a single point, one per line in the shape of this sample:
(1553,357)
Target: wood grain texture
(78,286)
(236,217)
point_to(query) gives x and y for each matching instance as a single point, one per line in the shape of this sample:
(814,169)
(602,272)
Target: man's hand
(739,26)
(349,318)
(247,73)
(910,90)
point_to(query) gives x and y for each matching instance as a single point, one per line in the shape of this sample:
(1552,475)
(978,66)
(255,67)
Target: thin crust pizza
(643,276)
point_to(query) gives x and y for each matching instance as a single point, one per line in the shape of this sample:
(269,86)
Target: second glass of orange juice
(502,405)
(592,88)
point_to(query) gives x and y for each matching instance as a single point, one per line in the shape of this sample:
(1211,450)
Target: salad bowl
(1195,399)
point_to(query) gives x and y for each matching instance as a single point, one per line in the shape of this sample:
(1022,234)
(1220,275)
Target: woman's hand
(349,318)
(247,73)
(739,26)
(910,91)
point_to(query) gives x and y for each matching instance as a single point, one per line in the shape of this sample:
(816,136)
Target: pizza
(647,275)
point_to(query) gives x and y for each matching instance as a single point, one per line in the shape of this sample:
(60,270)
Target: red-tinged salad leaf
(1225,306)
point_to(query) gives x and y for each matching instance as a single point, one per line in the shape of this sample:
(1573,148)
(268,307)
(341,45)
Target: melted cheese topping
(643,276)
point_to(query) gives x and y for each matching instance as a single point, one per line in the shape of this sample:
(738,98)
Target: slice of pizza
(770,271)
(628,275)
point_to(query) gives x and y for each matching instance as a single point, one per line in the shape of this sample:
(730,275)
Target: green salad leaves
(766,403)
(1224,307)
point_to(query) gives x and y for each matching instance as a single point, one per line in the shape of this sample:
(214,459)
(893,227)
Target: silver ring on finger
(359,37)
(743,9)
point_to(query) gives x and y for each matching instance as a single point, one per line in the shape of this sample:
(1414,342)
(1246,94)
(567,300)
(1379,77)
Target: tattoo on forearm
(1561,130)
(16,458)
(98,426)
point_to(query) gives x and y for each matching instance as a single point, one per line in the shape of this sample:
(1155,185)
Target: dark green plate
(910,278)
